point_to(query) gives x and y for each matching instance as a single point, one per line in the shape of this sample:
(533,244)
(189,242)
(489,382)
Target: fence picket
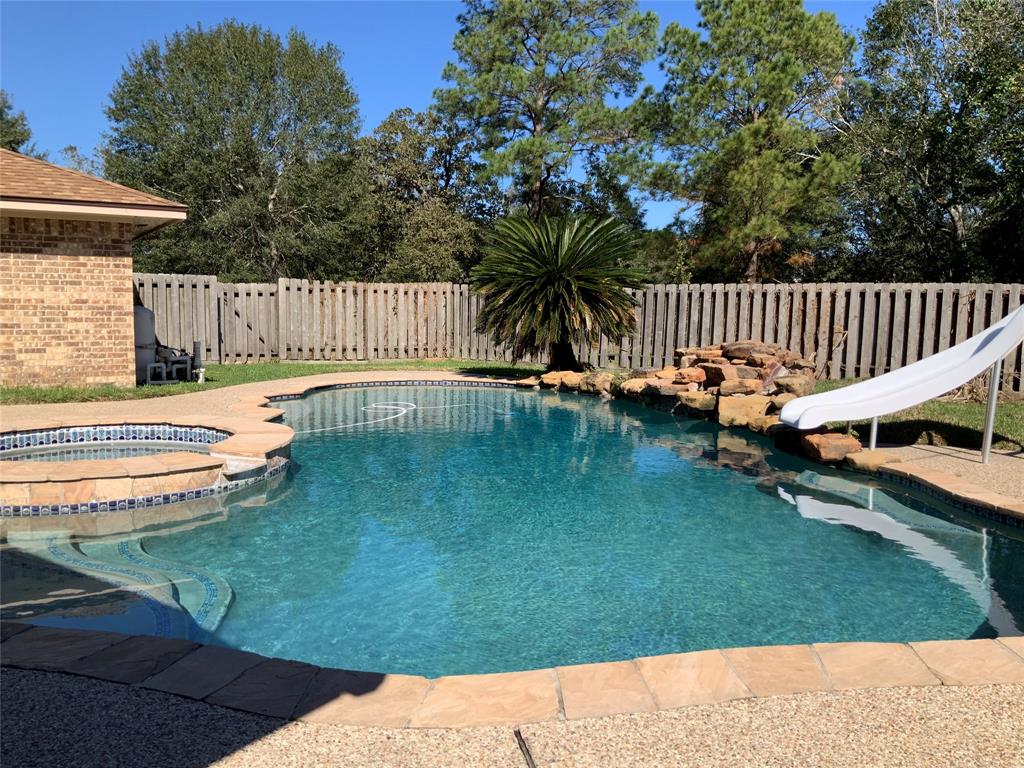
(851,329)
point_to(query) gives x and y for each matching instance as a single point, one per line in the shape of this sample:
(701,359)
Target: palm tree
(552,282)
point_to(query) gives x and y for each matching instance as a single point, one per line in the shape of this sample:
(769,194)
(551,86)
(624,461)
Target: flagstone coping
(298,691)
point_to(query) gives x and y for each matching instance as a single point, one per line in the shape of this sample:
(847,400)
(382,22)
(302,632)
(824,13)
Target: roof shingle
(26,178)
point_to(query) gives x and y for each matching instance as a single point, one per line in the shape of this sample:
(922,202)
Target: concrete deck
(1003,474)
(57,719)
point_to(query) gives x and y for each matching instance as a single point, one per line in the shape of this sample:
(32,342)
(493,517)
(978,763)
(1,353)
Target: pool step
(203,595)
(180,601)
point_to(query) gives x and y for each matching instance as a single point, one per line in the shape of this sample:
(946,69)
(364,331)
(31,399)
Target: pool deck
(1003,474)
(291,690)
(89,721)
(574,715)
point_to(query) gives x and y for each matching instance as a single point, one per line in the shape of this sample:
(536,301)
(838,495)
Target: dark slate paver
(134,660)
(11,628)
(204,671)
(55,649)
(272,688)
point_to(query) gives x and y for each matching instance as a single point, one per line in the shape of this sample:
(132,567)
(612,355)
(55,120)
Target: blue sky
(58,60)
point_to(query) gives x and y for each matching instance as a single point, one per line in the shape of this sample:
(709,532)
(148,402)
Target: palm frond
(557,281)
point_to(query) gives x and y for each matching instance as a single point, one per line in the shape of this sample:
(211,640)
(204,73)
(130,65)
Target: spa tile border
(273,468)
(243,450)
(69,437)
(291,690)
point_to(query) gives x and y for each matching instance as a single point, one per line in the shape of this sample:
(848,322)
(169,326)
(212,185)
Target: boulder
(691,376)
(780,400)
(870,461)
(715,373)
(551,378)
(829,446)
(746,372)
(708,355)
(669,372)
(738,361)
(663,388)
(738,411)
(760,360)
(529,382)
(635,387)
(748,347)
(721,361)
(703,402)
(762,424)
(739,387)
(597,383)
(685,361)
(795,385)
(571,380)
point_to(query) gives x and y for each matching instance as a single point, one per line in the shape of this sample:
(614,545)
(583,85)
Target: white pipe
(873,440)
(990,414)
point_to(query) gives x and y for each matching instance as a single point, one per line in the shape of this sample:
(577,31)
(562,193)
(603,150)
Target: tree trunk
(562,357)
(751,253)
(536,207)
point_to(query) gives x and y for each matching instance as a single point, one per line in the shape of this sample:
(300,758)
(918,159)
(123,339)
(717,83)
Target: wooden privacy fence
(849,329)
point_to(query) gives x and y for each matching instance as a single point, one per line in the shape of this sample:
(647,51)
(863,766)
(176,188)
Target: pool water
(437,530)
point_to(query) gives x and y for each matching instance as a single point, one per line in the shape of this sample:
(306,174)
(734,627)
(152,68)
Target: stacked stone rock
(741,384)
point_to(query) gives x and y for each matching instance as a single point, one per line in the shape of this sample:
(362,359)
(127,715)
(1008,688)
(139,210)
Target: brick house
(66,273)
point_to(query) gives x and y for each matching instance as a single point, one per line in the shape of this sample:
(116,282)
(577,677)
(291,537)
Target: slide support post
(873,440)
(990,413)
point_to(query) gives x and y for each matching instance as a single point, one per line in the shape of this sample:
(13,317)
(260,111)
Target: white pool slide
(915,383)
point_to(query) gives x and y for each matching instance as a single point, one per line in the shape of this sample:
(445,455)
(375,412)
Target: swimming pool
(443,530)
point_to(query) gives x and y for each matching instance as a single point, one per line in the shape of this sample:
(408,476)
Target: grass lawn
(218,375)
(938,422)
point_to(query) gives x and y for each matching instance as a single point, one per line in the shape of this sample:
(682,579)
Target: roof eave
(146,218)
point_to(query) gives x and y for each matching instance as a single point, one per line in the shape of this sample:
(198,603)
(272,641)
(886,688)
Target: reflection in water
(461,530)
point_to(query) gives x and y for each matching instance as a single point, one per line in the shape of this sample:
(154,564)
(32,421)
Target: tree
(257,136)
(15,133)
(72,157)
(938,119)
(547,284)
(436,243)
(534,78)
(747,115)
(427,204)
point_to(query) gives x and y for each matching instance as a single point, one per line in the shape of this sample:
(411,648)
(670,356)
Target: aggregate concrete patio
(56,719)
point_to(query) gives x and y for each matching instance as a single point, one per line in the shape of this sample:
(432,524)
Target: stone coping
(248,449)
(291,690)
(956,491)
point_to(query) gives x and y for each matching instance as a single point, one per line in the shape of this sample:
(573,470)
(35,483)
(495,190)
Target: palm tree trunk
(562,357)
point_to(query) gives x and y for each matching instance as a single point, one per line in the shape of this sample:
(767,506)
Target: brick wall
(66,302)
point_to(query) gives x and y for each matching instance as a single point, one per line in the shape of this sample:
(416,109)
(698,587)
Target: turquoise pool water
(436,531)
